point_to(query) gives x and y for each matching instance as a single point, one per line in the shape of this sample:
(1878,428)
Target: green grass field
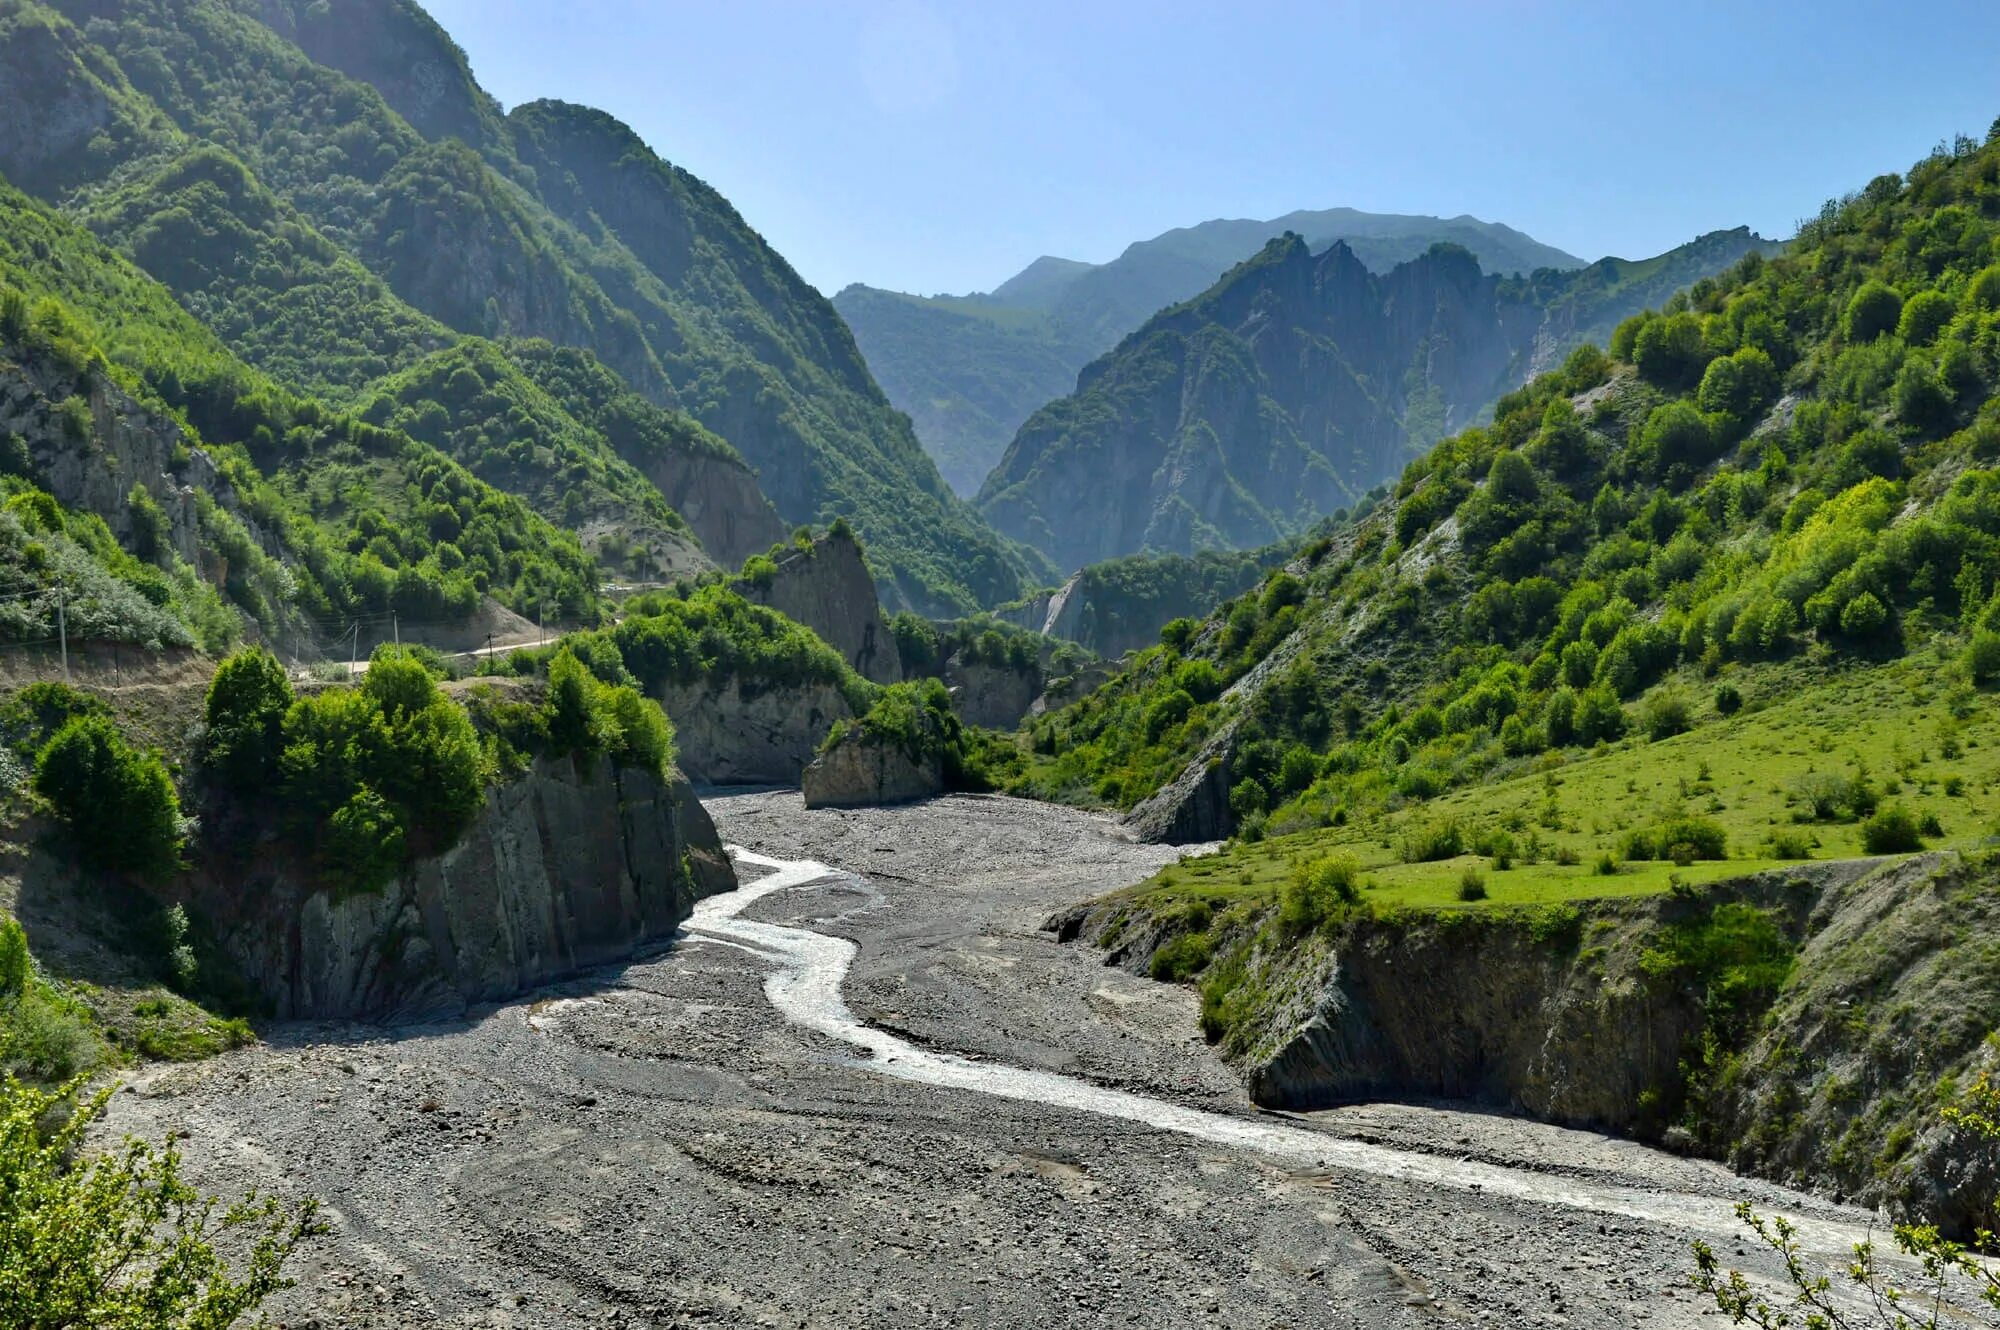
(1900,725)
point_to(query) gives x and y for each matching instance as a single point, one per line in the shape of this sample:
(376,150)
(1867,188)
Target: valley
(666,1142)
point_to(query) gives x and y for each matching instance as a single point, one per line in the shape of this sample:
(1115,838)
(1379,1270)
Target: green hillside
(1784,469)
(337,219)
(1294,385)
(970,369)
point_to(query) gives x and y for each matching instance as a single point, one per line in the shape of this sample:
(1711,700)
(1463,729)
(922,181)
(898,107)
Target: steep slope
(1527,766)
(307,517)
(379,151)
(1286,391)
(970,369)
(1785,469)
(967,373)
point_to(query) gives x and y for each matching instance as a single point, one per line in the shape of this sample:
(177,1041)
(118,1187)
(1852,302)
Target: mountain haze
(1294,386)
(970,369)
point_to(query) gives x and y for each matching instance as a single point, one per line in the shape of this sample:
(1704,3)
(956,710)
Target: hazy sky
(940,147)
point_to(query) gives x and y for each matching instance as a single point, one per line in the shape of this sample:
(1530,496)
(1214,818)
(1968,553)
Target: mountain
(326,186)
(1292,387)
(1679,660)
(970,369)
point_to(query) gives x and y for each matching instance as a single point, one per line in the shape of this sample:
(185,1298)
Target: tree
(1925,315)
(1670,352)
(1946,1267)
(247,701)
(121,1240)
(1873,311)
(117,801)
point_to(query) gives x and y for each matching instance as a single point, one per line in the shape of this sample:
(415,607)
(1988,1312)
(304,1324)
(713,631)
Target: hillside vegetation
(1294,385)
(335,223)
(1783,469)
(970,369)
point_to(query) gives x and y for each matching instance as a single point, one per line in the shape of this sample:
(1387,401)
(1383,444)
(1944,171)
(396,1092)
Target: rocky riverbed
(658,1144)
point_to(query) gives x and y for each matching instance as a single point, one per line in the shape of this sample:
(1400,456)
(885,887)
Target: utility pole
(396,627)
(354,649)
(540,637)
(62,630)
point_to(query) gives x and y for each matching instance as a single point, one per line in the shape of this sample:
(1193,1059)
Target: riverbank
(659,1145)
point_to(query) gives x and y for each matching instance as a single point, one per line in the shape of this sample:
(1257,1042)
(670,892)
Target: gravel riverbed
(657,1145)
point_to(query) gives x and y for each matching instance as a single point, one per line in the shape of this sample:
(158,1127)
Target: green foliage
(1892,830)
(1982,656)
(1873,311)
(1683,839)
(244,718)
(117,802)
(392,751)
(584,715)
(1319,892)
(120,1239)
(1432,841)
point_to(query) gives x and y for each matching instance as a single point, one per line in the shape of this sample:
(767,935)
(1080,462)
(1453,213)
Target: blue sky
(940,147)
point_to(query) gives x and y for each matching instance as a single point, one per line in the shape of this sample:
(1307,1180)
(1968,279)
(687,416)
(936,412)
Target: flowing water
(805,987)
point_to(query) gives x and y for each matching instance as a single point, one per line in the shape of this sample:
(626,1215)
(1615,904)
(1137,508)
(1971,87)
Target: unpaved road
(661,1145)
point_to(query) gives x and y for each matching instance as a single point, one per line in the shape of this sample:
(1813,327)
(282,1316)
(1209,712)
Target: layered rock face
(863,769)
(562,870)
(721,502)
(827,588)
(746,732)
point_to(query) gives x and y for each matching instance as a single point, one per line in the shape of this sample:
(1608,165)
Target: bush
(1683,839)
(1599,718)
(1790,845)
(118,802)
(397,739)
(121,1238)
(1893,830)
(244,734)
(1472,885)
(1665,715)
(366,840)
(1182,958)
(1982,656)
(1874,311)
(1606,865)
(1728,700)
(1925,315)
(1319,891)
(1431,842)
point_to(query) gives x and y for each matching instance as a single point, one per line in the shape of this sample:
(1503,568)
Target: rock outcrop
(720,500)
(562,870)
(826,587)
(750,732)
(993,695)
(862,769)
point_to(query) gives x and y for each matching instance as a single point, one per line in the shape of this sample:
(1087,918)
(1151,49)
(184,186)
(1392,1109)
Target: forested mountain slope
(1294,385)
(970,369)
(126,410)
(326,186)
(1786,467)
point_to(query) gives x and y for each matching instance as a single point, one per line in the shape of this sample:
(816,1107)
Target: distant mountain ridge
(1295,385)
(970,369)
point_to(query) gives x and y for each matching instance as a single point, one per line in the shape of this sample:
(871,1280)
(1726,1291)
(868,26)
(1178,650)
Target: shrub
(1728,700)
(15,969)
(1790,845)
(759,570)
(366,840)
(1665,715)
(1892,830)
(244,734)
(1874,310)
(117,801)
(1925,315)
(1864,617)
(1683,839)
(1472,885)
(1606,865)
(1599,717)
(1431,842)
(1982,656)
(1182,958)
(121,1238)
(1319,891)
